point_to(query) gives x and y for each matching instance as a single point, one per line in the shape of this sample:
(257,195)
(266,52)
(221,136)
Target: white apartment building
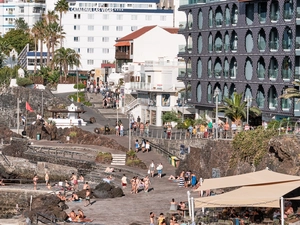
(92,27)
(10,10)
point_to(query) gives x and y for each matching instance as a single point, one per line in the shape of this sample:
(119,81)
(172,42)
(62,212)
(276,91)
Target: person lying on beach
(109,170)
(81,217)
(108,179)
(61,197)
(72,216)
(74,197)
(171,177)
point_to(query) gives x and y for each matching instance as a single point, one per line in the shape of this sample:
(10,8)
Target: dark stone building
(244,46)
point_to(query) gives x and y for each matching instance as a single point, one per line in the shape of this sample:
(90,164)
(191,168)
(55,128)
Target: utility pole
(18,115)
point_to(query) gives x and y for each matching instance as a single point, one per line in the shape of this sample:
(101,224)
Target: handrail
(166,152)
(132,104)
(52,219)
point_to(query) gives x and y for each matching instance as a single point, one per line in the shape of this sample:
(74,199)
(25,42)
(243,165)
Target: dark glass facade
(251,47)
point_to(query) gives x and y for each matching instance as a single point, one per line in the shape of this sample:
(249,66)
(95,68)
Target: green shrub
(24,81)
(79,86)
(104,157)
(73,134)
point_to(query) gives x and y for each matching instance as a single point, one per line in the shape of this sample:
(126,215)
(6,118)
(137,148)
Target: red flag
(28,107)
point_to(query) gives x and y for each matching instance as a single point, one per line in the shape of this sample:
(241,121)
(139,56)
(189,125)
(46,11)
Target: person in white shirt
(121,129)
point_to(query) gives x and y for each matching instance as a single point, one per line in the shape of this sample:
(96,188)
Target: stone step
(118,159)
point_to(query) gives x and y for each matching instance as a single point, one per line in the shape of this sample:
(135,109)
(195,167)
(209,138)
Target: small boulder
(92,120)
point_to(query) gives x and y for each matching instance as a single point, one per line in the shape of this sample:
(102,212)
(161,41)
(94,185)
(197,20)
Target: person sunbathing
(81,217)
(61,197)
(109,170)
(171,177)
(74,197)
(72,216)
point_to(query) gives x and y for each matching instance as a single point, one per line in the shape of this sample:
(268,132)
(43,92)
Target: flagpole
(18,116)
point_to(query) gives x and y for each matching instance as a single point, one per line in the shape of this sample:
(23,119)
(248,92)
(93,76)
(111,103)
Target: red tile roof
(144,30)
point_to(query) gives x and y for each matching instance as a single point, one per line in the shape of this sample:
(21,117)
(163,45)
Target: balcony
(273,74)
(218,73)
(272,103)
(262,17)
(219,22)
(139,86)
(287,15)
(190,2)
(210,22)
(181,72)
(260,102)
(286,104)
(218,47)
(274,45)
(182,49)
(227,21)
(261,74)
(233,73)
(233,47)
(286,74)
(226,47)
(286,45)
(189,72)
(226,73)
(274,17)
(122,55)
(210,48)
(189,48)
(190,24)
(261,45)
(209,73)
(234,20)
(182,25)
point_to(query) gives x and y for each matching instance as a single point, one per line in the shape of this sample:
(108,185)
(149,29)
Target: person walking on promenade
(159,170)
(137,146)
(152,168)
(47,178)
(146,183)
(133,185)
(152,216)
(35,179)
(74,181)
(147,145)
(124,181)
(87,197)
(137,184)
(121,130)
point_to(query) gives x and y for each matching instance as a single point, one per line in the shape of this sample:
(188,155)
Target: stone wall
(11,198)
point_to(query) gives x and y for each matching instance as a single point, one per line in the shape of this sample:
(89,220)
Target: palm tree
(291,92)
(66,57)
(39,30)
(236,108)
(61,6)
(5,49)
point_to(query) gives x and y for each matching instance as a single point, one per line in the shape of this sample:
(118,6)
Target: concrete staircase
(118,159)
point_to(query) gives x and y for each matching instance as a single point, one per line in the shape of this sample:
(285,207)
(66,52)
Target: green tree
(170,117)
(20,24)
(5,49)
(66,57)
(61,6)
(236,108)
(18,39)
(6,73)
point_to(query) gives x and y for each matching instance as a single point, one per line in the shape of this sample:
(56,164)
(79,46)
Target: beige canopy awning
(267,195)
(255,178)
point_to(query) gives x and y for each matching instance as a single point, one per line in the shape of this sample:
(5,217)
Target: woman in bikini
(147,183)
(133,185)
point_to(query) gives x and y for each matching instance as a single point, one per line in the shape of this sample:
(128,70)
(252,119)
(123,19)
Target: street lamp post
(216,95)
(248,99)
(42,111)
(129,132)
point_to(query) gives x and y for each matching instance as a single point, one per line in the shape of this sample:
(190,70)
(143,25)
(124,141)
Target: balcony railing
(261,45)
(274,16)
(226,47)
(181,72)
(219,22)
(226,73)
(218,73)
(273,45)
(273,74)
(286,45)
(189,48)
(182,25)
(210,47)
(233,73)
(189,72)
(210,22)
(182,48)
(260,102)
(260,74)
(287,15)
(218,47)
(298,13)
(140,85)
(227,21)
(209,73)
(286,74)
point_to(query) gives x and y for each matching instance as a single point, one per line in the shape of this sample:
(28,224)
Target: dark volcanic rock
(49,207)
(92,120)
(106,190)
